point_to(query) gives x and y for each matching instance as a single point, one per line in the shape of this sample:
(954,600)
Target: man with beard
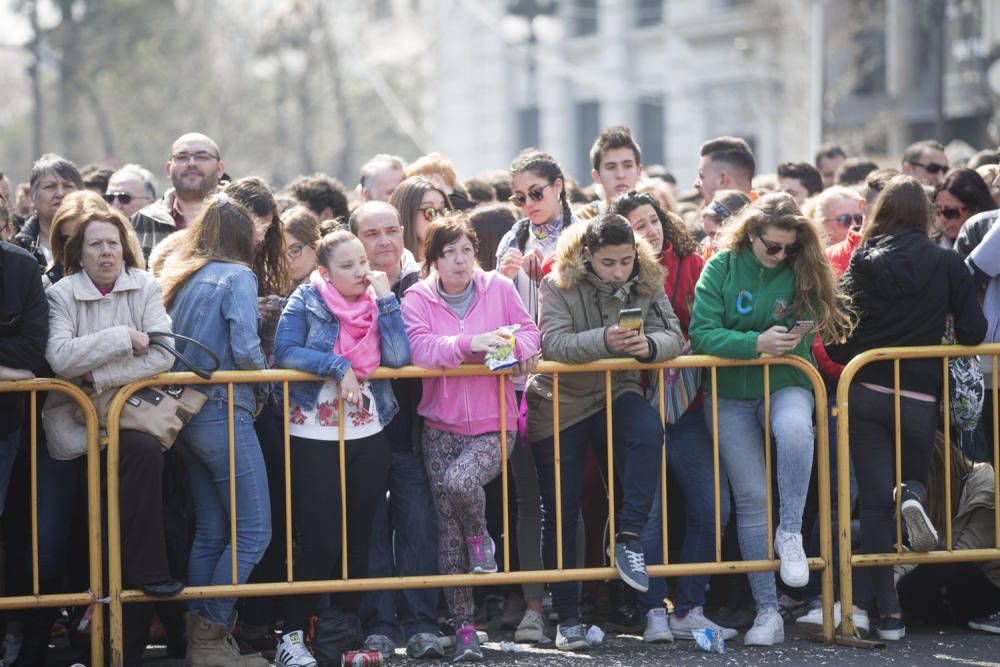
(194,168)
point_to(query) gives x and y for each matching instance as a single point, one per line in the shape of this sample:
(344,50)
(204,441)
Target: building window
(584,18)
(868,46)
(588,117)
(648,12)
(650,135)
(527,128)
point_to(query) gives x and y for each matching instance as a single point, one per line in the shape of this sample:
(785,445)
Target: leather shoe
(163,589)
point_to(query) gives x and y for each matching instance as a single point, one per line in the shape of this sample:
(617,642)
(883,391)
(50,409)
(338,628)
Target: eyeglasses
(951,212)
(931,167)
(846,219)
(201,157)
(772,248)
(536,194)
(293,251)
(124,197)
(430,213)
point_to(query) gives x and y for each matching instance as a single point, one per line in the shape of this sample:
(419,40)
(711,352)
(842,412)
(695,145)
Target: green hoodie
(736,300)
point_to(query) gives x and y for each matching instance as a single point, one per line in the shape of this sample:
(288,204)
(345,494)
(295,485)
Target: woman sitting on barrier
(767,291)
(342,325)
(903,287)
(457,315)
(99,315)
(689,450)
(211,293)
(604,299)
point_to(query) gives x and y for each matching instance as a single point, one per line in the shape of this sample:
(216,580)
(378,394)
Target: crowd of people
(820,260)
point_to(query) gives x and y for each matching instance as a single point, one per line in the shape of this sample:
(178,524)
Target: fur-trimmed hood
(571,268)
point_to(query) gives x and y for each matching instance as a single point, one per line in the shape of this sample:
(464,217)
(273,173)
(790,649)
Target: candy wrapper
(503,357)
(709,640)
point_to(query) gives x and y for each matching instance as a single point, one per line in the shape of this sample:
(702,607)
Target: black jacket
(903,287)
(24,325)
(27,238)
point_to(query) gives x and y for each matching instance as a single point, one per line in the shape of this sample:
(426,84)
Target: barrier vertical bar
(34,493)
(767,460)
(289,564)
(847,628)
(715,463)
(232,486)
(663,472)
(899,448)
(611,466)
(947,456)
(558,467)
(825,513)
(343,481)
(996,456)
(503,472)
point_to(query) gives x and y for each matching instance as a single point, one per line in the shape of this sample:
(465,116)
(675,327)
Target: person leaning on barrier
(600,270)
(98,318)
(456,315)
(211,293)
(689,456)
(770,271)
(903,287)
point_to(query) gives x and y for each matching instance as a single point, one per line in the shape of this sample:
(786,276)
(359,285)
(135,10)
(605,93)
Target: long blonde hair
(816,295)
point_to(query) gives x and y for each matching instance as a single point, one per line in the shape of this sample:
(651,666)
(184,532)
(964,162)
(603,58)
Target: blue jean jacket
(307,332)
(217,306)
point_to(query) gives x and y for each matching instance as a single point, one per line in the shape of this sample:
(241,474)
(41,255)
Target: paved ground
(922,646)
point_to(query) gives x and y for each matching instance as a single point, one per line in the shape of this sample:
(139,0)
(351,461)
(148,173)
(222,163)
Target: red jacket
(682,276)
(839,255)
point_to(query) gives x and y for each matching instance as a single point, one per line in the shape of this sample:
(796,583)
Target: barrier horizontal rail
(847,560)
(39,600)
(607,366)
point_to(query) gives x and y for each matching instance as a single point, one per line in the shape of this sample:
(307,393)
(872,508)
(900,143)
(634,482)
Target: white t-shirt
(321,421)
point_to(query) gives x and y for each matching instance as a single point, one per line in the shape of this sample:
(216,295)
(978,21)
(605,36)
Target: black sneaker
(989,623)
(923,536)
(891,628)
(623,609)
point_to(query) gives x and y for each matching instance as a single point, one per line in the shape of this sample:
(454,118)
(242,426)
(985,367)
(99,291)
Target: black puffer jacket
(903,287)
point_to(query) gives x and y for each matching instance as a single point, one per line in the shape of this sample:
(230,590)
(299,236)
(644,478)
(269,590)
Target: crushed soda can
(361,659)
(709,640)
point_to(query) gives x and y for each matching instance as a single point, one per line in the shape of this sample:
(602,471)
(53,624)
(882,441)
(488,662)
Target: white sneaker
(768,629)
(292,652)
(683,628)
(657,627)
(531,629)
(794,569)
(813,620)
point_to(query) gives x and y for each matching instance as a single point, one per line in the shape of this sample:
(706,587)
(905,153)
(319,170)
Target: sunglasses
(430,213)
(123,197)
(847,219)
(932,167)
(536,195)
(293,251)
(772,248)
(951,212)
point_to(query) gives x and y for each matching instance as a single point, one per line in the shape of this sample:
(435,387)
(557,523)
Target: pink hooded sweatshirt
(439,339)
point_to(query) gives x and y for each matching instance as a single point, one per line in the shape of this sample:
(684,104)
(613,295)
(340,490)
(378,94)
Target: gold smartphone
(630,318)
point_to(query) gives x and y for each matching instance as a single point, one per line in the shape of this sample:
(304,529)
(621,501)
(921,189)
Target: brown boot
(211,645)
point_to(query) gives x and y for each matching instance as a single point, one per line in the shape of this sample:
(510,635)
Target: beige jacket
(88,333)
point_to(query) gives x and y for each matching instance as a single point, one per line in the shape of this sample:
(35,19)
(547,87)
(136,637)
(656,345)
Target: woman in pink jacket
(452,317)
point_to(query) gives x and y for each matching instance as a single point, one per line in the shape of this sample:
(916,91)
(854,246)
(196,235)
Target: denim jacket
(307,332)
(217,306)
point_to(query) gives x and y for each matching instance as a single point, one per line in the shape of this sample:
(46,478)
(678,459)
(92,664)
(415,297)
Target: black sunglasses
(772,248)
(931,167)
(123,197)
(951,212)
(536,194)
(846,218)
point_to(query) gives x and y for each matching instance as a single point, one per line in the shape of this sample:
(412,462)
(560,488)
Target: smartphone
(630,318)
(802,327)
(367,403)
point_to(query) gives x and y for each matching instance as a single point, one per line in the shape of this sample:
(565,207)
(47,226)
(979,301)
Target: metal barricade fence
(118,596)
(93,596)
(847,561)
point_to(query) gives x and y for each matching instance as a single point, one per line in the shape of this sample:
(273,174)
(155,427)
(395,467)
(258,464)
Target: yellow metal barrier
(849,561)
(93,596)
(823,562)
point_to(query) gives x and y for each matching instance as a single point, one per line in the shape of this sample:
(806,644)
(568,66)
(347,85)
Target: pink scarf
(358,339)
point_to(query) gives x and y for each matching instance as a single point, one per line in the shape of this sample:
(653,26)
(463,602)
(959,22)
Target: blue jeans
(638,446)
(9,445)
(689,457)
(741,450)
(204,446)
(413,542)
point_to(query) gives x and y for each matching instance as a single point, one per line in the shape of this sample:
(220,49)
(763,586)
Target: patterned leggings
(458,467)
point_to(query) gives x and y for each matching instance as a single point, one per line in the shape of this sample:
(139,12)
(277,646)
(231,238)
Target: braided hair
(544,166)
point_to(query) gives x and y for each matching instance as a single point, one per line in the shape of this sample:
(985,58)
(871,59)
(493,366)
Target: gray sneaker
(683,628)
(481,554)
(631,563)
(424,645)
(570,636)
(380,643)
(467,647)
(531,629)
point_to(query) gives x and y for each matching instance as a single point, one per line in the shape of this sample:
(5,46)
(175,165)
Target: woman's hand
(776,341)
(532,265)
(140,342)
(526,366)
(487,342)
(380,282)
(511,263)
(269,307)
(350,388)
